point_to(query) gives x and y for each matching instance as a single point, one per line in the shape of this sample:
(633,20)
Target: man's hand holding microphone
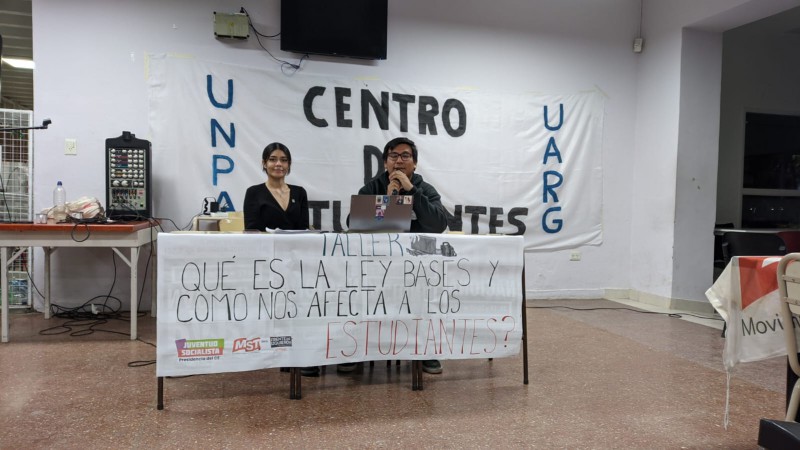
(398,180)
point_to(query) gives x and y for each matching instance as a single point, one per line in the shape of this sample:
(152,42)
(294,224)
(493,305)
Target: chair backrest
(234,222)
(791,239)
(718,256)
(752,244)
(789,291)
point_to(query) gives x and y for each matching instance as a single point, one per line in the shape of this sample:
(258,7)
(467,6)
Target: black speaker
(128,190)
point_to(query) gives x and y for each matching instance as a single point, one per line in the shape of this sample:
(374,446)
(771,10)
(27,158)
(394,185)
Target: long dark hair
(269,149)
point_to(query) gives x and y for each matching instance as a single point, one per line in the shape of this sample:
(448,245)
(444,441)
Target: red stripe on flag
(756,281)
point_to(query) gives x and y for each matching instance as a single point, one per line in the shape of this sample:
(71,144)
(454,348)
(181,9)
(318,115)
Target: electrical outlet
(575,256)
(638,44)
(70,146)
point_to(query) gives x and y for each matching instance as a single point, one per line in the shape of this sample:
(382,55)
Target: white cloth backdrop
(499,164)
(233,302)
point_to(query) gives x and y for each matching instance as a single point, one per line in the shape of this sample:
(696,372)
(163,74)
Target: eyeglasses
(403,156)
(275,159)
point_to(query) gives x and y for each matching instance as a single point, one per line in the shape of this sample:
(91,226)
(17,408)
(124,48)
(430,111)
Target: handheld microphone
(395,191)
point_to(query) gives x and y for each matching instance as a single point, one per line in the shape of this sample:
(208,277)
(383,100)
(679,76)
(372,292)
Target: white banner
(746,296)
(516,164)
(234,302)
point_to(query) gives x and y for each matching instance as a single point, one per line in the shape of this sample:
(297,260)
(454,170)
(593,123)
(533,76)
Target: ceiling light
(19,63)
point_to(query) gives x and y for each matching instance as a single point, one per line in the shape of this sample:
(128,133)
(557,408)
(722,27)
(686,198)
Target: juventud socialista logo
(200,349)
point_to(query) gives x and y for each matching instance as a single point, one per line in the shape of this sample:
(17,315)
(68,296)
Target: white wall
(671,240)
(90,80)
(695,183)
(656,140)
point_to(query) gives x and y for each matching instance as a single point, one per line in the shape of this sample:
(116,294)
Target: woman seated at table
(275,204)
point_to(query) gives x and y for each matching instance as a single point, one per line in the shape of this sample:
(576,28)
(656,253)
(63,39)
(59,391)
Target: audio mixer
(128,192)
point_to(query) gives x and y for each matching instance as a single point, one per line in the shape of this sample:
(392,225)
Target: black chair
(792,240)
(751,244)
(777,434)
(719,258)
(718,240)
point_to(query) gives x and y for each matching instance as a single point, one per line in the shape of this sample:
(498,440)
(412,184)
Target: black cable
(83,317)
(75,227)
(174,225)
(137,217)
(72,234)
(254,28)
(146,267)
(622,308)
(134,364)
(188,225)
(148,343)
(143,363)
(191,221)
(89,320)
(5,202)
(114,280)
(156,221)
(80,317)
(30,278)
(284,63)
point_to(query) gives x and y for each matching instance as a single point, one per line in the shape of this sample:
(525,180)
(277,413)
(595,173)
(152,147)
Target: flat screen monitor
(350,28)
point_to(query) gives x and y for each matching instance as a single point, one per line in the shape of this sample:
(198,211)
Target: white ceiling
(16,85)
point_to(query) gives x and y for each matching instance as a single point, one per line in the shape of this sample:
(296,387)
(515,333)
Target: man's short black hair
(397,141)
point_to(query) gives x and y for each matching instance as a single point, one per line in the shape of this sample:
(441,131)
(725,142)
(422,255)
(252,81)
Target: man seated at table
(400,161)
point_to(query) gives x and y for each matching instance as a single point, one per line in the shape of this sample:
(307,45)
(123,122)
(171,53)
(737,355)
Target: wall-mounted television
(351,28)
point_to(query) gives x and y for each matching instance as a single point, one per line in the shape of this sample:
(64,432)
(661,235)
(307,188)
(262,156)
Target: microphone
(44,126)
(395,191)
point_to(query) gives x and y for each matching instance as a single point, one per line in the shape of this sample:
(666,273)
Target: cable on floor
(622,308)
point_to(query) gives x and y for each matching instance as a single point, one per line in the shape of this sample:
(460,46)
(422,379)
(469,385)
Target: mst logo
(247,345)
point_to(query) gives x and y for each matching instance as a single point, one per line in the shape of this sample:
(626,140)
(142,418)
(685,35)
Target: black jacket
(261,210)
(428,209)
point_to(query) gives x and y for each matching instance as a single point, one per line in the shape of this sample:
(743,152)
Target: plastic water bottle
(60,203)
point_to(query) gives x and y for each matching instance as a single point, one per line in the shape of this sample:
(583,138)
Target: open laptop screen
(374,213)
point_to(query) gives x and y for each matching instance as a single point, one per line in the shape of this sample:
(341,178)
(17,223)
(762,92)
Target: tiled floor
(598,379)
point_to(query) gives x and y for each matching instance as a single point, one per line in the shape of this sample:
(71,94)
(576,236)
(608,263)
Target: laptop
(381,213)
